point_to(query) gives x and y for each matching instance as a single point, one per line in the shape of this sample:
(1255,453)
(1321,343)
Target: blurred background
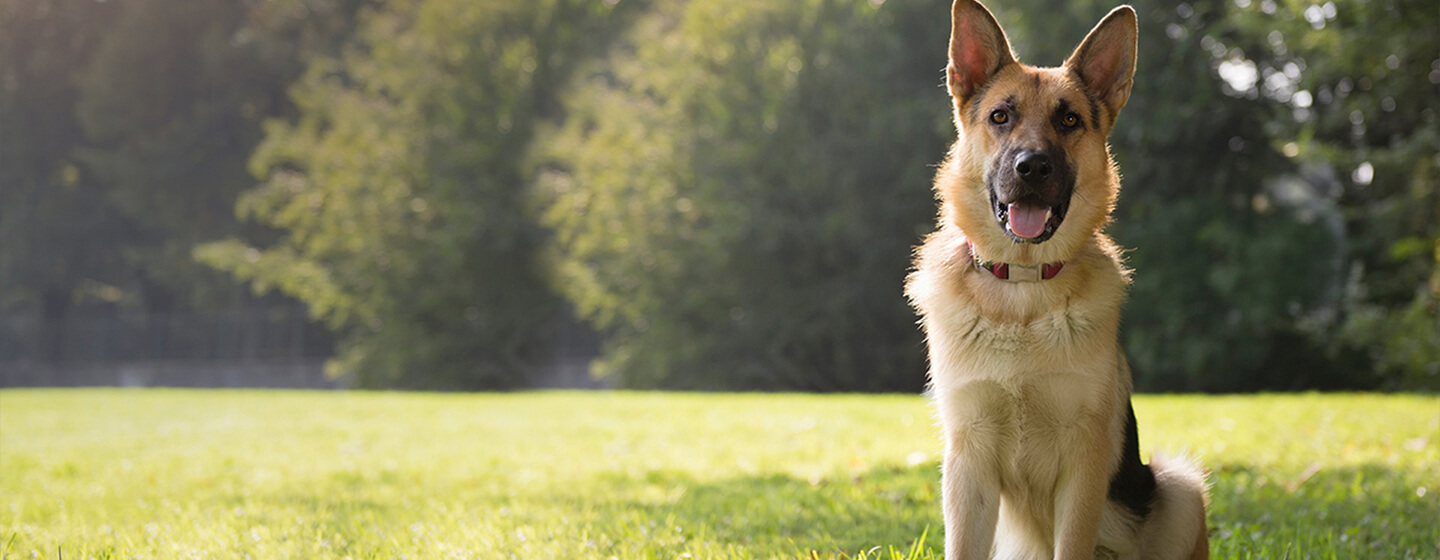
(703,194)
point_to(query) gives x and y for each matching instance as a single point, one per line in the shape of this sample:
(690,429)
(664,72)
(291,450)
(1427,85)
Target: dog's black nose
(1033,167)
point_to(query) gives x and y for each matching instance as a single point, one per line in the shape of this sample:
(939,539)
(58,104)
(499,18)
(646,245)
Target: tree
(125,128)
(58,237)
(1355,86)
(171,106)
(403,194)
(738,187)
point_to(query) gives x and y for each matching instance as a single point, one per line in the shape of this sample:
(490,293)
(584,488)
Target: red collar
(1015,272)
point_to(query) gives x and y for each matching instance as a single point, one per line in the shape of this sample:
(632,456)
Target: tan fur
(1028,379)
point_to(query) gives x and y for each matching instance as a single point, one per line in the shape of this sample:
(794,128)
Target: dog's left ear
(1105,60)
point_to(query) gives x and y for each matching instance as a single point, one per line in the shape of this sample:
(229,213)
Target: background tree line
(726,191)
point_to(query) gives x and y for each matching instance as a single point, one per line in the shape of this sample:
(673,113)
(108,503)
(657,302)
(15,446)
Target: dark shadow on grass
(887,506)
(1366,511)
(1369,511)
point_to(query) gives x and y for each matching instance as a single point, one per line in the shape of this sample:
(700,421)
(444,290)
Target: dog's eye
(1070,120)
(999,117)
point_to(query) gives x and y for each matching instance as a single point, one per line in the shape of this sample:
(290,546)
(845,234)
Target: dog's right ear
(978,48)
(1105,60)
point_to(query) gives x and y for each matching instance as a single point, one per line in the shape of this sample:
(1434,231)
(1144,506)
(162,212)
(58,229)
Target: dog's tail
(1176,529)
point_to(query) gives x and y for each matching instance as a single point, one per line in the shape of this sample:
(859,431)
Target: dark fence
(256,347)
(275,347)
(281,333)
(291,374)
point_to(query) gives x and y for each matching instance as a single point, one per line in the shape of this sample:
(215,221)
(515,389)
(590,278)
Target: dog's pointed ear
(978,48)
(1105,60)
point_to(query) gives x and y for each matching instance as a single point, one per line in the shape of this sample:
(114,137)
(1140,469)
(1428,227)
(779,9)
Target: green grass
(222,474)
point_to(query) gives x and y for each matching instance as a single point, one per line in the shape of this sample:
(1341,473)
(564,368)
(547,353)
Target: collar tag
(1024,273)
(1017,273)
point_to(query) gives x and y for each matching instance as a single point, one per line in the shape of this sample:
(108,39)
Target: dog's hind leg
(1202,544)
(1175,529)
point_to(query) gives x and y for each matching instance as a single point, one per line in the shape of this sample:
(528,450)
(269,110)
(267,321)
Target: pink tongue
(1027,221)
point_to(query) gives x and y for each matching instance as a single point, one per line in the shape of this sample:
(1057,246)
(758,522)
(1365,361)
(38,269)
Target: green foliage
(163,474)
(124,130)
(1363,108)
(729,193)
(742,148)
(1346,105)
(171,106)
(402,190)
(737,188)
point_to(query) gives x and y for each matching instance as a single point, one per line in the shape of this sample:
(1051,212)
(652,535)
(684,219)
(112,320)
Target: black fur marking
(1060,160)
(974,100)
(1094,107)
(1058,119)
(1133,485)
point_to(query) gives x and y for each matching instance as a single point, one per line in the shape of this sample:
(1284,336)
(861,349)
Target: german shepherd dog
(1019,293)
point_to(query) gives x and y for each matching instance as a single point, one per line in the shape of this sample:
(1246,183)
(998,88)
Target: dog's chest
(1044,419)
(1033,427)
(1028,383)
(966,344)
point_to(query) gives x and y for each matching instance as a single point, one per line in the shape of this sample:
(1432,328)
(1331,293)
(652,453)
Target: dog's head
(1030,178)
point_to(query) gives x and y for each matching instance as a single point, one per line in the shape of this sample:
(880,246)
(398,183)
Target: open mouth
(1029,220)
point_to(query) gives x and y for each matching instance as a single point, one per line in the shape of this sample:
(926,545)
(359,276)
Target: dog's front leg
(1080,498)
(977,421)
(971,497)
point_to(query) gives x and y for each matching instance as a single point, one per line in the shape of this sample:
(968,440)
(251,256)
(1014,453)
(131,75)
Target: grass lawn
(259,474)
